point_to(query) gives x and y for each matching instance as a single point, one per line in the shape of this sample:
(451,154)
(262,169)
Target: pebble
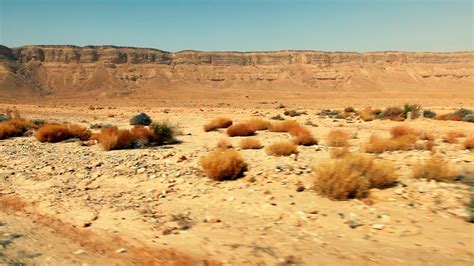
(353,224)
(121,250)
(378,226)
(79,252)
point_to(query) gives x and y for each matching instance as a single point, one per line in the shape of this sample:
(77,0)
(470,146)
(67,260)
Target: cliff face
(72,71)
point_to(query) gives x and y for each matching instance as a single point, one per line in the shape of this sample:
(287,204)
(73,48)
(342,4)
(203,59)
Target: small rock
(353,224)
(121,250)
(378,226)
(79,252)
(300,188)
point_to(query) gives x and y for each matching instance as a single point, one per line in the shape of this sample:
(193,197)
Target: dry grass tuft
(435,168)
(452,137)
(284,126)
(250,143)
(224,144)
(377,144)
(258,124)
(353,176)
(58,132)
(394,113)
(281,148)
(367,114)
(338,138)
(402,130)
(223,164)
(113,138)
(469,143)
(339,152)
(14,127)
(220,122)
(142,133)
(302,136)
(241,130)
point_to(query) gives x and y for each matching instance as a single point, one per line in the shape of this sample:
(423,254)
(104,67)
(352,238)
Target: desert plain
(74,203)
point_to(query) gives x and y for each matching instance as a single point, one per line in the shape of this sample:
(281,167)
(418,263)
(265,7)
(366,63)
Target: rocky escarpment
(72,71)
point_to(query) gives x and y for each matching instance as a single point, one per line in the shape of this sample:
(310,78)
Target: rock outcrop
(72,71)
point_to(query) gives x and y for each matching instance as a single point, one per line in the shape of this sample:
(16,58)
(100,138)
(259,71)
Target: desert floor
(67,204)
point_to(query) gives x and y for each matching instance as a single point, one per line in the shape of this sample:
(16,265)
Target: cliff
(111,71)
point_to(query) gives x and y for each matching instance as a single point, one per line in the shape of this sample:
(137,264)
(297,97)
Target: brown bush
(223,164)
(426,136)
(352,176)
(402,130)
(367,114)
(281,148)
(377,144)
(258,124)
(143,133)
(113,138)
(58,132)
(338,138)
(250,143)
(284,126)
(14,127)
(220,122)
(224,144)
(435,168)
(469,143)
(339,152)
(302,136)
(393,113)
(452,136)
(240,130)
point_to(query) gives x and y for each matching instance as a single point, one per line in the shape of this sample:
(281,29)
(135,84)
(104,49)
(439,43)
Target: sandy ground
(69,204)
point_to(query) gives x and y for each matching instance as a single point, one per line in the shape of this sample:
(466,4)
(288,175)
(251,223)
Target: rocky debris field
(159,197)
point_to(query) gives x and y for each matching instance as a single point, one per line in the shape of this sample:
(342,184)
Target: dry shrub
(339,152)
(250,143)
(281,148)
(353,176)
(452,136)
(302,136)
(426,136)
(377,144)
(367,114)
(258,124)
(338,138)
(223,164)
(220,122)
(426,145)
(240,130)
(435,168)
(58,132)
(284,126)
(469,143)
(394,113)
(224,144)
(399,131)
(143,133)
(113,138)
(14,127)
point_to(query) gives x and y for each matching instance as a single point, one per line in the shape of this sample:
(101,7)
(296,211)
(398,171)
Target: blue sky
(242,25)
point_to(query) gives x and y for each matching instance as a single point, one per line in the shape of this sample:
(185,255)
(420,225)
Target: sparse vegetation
(293,113)
(223,164)
(339,152)
(59,132)
(302,136)
(164,133)
(452,136)
(220,122)
(281,148)
(284,126)
(469,143)
(258,124)
(250,143)
(352,176)
(14,127)
(338,138)
(402,130)
(367,114)
(377,144)
(414,109)
(224,144)
(113,138)
(429,114)
(435,168)
(140,119)
(468,118)
(241,130)
(394,113)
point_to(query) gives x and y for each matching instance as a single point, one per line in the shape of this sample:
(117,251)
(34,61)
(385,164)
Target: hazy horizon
(242,25)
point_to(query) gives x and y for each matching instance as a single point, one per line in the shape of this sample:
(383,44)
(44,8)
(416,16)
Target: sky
(242,25)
